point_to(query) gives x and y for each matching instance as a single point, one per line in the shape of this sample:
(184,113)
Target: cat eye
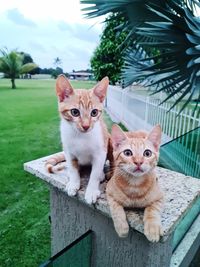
(128,153)
(75,112)
(94,112)
(147,153)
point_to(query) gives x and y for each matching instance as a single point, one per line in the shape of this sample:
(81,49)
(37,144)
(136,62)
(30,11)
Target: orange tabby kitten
(84,135)
(134,182)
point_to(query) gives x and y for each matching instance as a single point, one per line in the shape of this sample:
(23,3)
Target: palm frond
(171,27)
(26,68)
(179,64)
(135,12)
(11,62)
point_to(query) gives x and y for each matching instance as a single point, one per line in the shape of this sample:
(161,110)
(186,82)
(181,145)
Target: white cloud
(49,29)
(16,17)
(68,10)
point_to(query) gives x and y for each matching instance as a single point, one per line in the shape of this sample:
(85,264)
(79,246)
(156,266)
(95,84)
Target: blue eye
(147,153)
(128,153)
(94,112)
(75,112)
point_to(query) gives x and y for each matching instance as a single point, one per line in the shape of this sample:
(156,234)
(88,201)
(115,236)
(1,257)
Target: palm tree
(57,62)
(169,26)
(11,64)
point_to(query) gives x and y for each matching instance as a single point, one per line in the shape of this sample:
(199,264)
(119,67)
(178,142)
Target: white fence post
(147,109)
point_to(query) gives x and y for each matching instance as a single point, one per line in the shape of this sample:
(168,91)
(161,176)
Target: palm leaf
(28,67)
(183,57)
(135,12)
(11,64)
(171,27)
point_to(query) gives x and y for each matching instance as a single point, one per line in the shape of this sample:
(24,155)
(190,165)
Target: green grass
(29,129)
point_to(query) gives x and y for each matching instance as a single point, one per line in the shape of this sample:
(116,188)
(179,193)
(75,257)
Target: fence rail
(142,112)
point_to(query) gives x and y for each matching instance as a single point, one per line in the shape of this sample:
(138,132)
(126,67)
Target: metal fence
(142,112)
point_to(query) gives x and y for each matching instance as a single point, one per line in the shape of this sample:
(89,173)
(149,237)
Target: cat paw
(72,189)
(153,231)
(92,195)
(122,229)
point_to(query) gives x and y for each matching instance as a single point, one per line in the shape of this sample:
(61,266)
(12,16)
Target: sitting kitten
(83,133)
(134,182)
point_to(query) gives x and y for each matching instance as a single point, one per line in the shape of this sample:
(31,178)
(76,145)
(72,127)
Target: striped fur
(56,163)
(134,182)
(84,136)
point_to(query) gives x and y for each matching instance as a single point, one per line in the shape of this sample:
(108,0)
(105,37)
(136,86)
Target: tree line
(15,64)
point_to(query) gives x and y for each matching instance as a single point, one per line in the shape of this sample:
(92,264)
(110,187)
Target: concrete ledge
(181,192)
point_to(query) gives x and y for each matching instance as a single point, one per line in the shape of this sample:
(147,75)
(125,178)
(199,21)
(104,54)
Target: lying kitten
(134,182)
(83,133)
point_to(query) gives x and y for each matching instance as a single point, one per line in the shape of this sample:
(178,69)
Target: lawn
(29,129)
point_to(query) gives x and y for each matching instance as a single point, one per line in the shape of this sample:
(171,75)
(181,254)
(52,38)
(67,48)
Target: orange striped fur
(84,136)
(134,182)
(52,164)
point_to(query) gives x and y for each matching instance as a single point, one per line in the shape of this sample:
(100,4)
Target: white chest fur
(83,146)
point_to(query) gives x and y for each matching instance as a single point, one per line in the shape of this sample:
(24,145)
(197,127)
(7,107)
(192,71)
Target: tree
(167,25)
(57,62)
(26,58)
(11,64)
(46,71)
(35,71)
(56,72)
(107,59)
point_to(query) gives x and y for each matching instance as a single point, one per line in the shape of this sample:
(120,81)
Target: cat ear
(117,136)
(101,88)
(155,136)
(63,88)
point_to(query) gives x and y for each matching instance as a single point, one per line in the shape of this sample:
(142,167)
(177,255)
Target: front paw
(92,195)
(72,188)
(122,229)
(153,231)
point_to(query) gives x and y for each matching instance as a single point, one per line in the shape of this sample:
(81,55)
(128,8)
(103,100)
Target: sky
(49,29)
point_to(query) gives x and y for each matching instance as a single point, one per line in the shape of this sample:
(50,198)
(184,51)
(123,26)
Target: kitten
(134,182)
(83,133)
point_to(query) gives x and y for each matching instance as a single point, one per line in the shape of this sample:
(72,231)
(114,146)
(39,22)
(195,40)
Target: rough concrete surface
(180,193)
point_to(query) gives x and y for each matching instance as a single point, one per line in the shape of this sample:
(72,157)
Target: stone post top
(181,192)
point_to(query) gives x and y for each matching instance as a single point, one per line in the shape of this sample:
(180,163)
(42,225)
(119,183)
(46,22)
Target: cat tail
(56,163)
(109,169)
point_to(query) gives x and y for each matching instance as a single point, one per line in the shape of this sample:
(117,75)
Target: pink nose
(138,164)
(85,127)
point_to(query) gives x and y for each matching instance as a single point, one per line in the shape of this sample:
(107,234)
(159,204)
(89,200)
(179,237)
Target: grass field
(29,129)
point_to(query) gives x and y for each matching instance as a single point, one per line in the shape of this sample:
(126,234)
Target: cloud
(18,18)
(68,37)
(86,32)
(83,32)
(63,26)
(37,47)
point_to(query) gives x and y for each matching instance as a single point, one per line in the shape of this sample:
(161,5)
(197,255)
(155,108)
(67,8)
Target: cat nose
(138,163)
(85,127)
